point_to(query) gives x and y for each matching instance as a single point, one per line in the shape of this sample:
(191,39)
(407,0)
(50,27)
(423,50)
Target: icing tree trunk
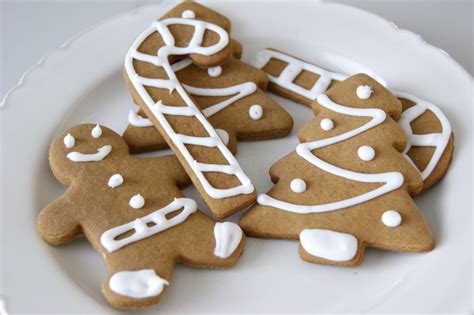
(347,185)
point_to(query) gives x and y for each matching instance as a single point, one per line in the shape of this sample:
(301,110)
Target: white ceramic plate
(82,82)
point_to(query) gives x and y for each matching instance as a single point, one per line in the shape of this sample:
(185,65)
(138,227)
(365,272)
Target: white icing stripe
(140,225)
(329,245)
(228,236)
(391,180)
(139,284)
(437,140)
(293,69)
(158,111)
(90,157)
(236,92)
(138,121)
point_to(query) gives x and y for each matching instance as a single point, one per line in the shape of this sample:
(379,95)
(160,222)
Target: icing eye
(96,132)
(256,112)
(366,153)
(327,124)
(137,201)
(115,180)
(215,71)
(188,14)
(364,92)
(298,185)
(69,141)
(391,218)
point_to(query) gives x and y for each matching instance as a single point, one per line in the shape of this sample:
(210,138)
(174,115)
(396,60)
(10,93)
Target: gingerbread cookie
(430,139)
(133,213)
(188,32)
(231,97)
(347,186)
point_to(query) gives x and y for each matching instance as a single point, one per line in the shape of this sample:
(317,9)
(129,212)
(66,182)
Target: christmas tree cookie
(430,138)
(347,186)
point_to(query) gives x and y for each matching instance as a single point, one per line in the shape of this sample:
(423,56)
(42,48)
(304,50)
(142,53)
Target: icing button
(391,218)
(137,201)
(298,185)
(214,71)
(366,153)
(188,14)
(327,124)
(364,92)
(256,112)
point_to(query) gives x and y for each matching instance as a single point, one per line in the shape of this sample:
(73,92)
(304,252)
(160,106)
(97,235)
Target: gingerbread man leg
(139,281)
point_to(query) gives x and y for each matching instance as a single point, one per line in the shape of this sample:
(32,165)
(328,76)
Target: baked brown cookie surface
(430,138)
(133,213)
(347,186)
(201,36)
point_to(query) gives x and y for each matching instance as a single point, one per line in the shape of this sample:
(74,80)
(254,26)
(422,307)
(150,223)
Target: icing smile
(90,157)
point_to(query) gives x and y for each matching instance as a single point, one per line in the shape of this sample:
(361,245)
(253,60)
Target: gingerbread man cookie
(132,211)
(150,77)
(347,186)
(429,135)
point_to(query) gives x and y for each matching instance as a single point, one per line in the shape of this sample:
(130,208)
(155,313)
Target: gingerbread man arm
(57,223)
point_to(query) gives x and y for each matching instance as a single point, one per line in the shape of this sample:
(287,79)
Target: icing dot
(137,201)
(69,141)
(188,14)
(255,112)
(327,124)
(366,153)
(96,132)
(298,185)
(115,180)
(215,71)
(223,135)
(391,218)
(363,92)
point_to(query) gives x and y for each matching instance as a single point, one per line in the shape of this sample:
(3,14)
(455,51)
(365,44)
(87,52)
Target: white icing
(96,132)
(391,180)
(142,230)
(364,92)
(188,14)
(329,245)
(90,157)
(366,153)
(223,135)
(298,185)
(256,112)
(214,71)
(69,141)
(236,92)
(115,181)
(138,284)
(437,140)
(327,124)
(159,109)
(293,69)
(391,218)
(137,201)
(138,121)
(228,236)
